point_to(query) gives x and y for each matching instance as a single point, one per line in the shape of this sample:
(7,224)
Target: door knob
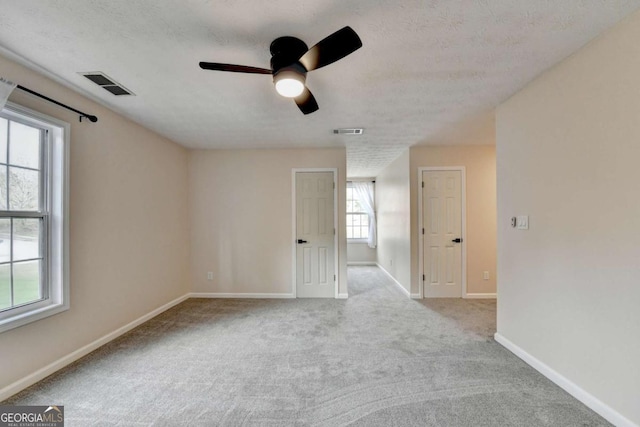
(300,241)
(458,240)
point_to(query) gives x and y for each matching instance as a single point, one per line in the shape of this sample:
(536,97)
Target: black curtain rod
(46,98)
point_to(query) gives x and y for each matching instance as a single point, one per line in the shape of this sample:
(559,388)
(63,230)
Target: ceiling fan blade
(233,68)
(306,102)
(329,50)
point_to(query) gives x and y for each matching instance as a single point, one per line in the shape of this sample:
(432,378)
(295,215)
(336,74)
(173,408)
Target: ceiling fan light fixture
(289,84)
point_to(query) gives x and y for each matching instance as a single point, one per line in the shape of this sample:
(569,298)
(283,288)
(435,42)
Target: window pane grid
(357,218)
(21,269)
(357,226)
(20,167)
(22,215)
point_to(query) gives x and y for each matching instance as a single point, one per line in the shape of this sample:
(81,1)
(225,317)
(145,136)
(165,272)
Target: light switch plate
(523,222)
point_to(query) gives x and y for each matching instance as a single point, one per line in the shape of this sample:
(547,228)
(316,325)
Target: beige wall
(568,147)
(393,208)
(241,218)
(128,233)
(360,252)
(480,164)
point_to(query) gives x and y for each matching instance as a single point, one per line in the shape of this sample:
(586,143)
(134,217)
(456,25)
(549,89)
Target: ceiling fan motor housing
(285,52)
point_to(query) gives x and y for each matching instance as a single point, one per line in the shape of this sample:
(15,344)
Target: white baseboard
(402,288)
(416,296)
(574,390)
(481,296)
(238,295)
(361,263)
(42,373)
(342,296)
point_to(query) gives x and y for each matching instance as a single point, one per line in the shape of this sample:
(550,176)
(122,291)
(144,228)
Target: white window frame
(357,239)
(55,183)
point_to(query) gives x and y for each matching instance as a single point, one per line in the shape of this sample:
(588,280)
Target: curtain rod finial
(92,119)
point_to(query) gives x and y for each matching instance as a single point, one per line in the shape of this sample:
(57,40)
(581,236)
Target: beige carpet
(376,359)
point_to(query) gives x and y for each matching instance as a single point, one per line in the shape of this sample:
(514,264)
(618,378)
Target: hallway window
(357,217)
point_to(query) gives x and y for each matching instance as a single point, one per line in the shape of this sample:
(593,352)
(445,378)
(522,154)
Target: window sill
(34,315)
(365,241)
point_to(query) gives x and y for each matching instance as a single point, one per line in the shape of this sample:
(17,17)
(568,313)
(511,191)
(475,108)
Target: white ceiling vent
(353,131)
(107,83)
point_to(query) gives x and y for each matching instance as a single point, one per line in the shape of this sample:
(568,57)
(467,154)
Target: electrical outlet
(485,275)
(210,275)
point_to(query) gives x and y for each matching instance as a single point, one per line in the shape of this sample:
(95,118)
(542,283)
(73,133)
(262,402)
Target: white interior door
(442,229)
(315,269)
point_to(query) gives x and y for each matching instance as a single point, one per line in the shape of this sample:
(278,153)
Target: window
(357,218)
(33,232)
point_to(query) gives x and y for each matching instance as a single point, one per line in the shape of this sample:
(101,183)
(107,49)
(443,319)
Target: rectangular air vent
(354,131)
(107,83)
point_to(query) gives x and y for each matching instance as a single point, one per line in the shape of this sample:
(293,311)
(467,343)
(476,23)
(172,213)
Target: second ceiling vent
(107,83)
(349,131)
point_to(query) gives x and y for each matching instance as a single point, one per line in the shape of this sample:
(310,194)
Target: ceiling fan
(291,60)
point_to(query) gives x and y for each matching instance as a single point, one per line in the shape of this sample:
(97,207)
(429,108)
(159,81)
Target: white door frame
(294,230)
(463,214)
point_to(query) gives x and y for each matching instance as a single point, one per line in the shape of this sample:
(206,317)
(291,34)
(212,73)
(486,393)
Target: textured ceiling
(430,72)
